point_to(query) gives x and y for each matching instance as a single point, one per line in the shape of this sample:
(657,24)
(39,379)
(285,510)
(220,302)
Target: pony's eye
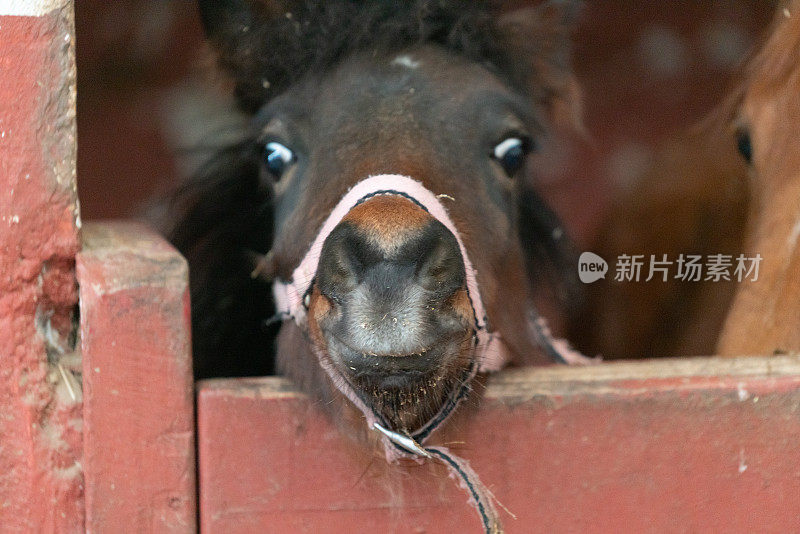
(277,158)
(510,153)
(744,145)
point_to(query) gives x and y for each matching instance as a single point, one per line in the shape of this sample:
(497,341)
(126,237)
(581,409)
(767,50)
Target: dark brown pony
(451,97)
(452,94)
(413,287)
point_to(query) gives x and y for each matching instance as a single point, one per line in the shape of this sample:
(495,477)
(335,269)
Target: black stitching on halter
(545,343)
(464,476)
(448,408)
(454,465)
(390,192)
(474,313)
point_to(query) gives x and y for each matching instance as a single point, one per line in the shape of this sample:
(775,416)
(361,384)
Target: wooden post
(40,399)
(139,459)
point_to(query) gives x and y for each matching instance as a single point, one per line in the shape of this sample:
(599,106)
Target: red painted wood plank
(701,445)
(137,375)
(41,485)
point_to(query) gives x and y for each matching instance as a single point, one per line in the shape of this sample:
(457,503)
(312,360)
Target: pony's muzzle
(391,296)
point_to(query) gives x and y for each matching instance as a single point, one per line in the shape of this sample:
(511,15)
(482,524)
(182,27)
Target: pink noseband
(490,352)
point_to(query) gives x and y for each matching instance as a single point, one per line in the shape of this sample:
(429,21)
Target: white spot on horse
(406,61)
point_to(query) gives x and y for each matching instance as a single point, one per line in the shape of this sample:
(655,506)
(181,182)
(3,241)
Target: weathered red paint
(698,445)
(40,411)
(139,459)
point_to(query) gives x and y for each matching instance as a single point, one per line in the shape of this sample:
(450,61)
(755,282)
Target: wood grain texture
(662,446)
(139,456)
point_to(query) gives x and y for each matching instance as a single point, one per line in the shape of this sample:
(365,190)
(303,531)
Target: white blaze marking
(30,8)
(406,61)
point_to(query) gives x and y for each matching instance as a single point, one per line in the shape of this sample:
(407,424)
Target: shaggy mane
(266,52)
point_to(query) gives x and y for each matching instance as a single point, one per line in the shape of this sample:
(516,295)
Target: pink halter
(490,355)
(490,352)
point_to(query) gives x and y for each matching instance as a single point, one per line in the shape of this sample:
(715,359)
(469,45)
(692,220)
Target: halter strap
(289,296)
(490,352)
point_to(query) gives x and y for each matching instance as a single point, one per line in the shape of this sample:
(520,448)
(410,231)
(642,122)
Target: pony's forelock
(274,50)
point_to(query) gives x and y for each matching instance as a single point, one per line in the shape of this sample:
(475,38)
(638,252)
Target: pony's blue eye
(510,154)
(277,158)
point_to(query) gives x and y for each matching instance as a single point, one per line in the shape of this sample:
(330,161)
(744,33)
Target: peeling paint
(742,393)
(30,8)
(38,243)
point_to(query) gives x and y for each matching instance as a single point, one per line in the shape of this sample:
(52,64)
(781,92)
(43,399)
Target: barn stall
(99,431)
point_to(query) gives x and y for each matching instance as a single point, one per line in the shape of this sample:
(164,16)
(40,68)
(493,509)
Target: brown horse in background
(701,197)
(765,315)
(692,200)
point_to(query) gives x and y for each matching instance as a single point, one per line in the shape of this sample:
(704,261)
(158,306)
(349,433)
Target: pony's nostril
(428,258)
(392,287)
(440,267)
(339,267)
(391,269)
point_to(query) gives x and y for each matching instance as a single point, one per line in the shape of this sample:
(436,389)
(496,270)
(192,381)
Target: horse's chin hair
(408,408)
(404,408)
